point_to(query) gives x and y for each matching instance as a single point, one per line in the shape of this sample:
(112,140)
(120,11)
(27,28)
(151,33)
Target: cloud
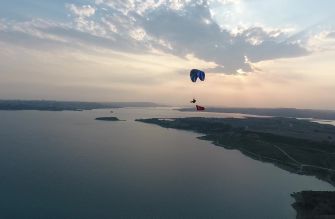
(82,20)
(331,35)
(322,41)
(134,6)
(81,11)
(194,31)
(180,28)
(35,31)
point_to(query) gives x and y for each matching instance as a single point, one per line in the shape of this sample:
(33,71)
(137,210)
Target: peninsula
(277,112)
(298,146)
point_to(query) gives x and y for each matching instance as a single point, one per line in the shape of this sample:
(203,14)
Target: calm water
(67,165)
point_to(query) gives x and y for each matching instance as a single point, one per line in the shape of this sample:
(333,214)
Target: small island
(314,204)
(110,118)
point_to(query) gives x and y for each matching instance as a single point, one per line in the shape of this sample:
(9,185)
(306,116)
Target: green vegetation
(314,204)
(298,146)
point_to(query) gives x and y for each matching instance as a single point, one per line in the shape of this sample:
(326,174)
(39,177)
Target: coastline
(300,153)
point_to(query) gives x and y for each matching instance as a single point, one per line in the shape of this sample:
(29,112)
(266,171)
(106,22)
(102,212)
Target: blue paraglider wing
(201,75)
(195,74)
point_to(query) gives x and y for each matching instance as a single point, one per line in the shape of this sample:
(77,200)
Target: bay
(68,165)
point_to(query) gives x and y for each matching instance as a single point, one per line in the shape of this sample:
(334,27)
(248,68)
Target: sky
(256,53)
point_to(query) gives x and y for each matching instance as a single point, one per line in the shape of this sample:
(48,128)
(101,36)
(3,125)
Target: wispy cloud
(81,11)
(176,27)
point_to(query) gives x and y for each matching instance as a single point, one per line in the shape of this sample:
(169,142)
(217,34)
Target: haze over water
(68,165)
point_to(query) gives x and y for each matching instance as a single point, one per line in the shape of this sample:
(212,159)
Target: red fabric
(200,107)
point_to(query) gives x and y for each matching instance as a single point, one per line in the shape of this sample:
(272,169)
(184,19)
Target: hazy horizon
(255,53)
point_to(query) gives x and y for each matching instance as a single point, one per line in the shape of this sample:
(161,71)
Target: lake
(68,165)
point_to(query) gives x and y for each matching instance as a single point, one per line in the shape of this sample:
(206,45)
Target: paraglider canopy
(195,74)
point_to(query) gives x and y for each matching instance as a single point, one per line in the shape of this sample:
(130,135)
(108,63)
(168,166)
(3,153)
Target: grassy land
(314,204)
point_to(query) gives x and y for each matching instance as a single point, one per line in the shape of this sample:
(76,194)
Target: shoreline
(308,149)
